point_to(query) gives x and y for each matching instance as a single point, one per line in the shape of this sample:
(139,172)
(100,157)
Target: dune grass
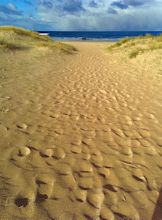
(24,33)
(66,48)
(4,44)
(135,53)
(137,45)
(13,38)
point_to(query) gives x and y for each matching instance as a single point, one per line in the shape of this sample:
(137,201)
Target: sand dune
(80,135)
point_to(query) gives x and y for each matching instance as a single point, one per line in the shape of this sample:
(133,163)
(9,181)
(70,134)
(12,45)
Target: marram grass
(13,38)
(137,45)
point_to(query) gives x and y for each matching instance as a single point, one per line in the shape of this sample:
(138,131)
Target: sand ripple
(80,136)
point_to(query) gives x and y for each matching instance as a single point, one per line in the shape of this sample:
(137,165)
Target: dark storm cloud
(124,4)
(72,6)
(64,6)
(47,4)
(119,4)
(93,4)
(8,10)
(136,3)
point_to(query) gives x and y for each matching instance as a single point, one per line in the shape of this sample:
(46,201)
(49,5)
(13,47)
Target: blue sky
(82,15)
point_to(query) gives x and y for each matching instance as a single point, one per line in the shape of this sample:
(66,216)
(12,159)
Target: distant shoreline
(96,36)
(87,40)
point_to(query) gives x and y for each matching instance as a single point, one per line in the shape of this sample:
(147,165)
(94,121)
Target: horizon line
(102,31)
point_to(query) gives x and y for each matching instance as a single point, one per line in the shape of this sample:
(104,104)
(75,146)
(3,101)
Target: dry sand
(80,135)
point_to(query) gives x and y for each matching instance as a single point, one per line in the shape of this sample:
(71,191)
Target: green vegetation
(119,43)
(4,44)
(13,38)
(137,45)
(135,53)
(57,45)
(24,33)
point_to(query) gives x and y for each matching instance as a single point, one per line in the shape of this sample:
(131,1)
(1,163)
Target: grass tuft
(134,53)
(25,33)
(14,38)
(8,45)
(137,45)
(57,45)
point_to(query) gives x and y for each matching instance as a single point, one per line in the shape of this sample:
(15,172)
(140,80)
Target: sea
(96,35)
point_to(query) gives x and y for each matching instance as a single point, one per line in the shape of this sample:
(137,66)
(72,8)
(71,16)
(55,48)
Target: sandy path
(80,135)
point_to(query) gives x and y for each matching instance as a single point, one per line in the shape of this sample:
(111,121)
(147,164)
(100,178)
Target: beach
(80,134)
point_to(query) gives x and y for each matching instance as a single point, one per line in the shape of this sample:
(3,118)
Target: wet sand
(80,135)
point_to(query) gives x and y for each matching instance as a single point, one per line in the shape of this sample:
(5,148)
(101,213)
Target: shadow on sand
(158,209)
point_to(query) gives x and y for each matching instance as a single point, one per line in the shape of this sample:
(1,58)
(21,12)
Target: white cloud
(86,15)
(144,17)
(11,6)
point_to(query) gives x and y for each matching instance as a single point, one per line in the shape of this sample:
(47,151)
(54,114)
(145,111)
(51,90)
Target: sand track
(80,136)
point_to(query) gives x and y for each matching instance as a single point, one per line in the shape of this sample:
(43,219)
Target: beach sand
(80,135)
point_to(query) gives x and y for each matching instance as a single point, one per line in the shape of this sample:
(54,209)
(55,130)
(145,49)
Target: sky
(83,15)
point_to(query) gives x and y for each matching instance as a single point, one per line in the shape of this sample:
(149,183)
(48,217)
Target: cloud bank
(83,15)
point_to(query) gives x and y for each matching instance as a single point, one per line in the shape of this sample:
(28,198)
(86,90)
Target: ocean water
(96,36)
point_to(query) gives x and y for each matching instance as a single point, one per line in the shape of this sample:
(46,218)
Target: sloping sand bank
(80,135)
